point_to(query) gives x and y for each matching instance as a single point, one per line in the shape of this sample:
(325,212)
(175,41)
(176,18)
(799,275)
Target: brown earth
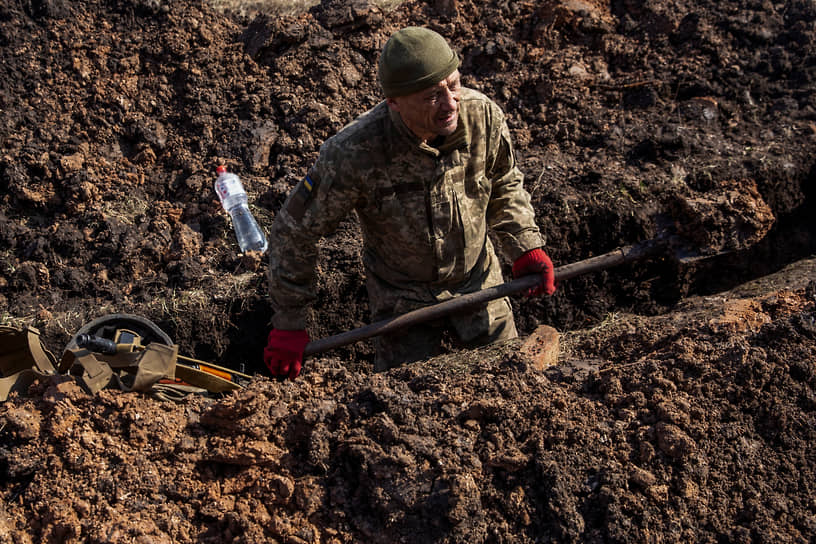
(683,408)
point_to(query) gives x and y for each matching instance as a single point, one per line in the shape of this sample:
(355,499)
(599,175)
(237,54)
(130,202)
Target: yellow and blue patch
(300,198)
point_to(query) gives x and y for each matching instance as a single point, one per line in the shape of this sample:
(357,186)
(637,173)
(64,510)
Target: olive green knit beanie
(413,59)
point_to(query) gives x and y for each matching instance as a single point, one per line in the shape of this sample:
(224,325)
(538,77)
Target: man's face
(433,111)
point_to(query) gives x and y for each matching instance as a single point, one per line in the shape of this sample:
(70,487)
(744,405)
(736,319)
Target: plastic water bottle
(234,199)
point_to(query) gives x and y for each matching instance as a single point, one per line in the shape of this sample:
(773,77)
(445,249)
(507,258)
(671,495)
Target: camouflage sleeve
(510,214)
(313,209)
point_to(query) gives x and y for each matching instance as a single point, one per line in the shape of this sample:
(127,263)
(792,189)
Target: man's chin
(449,128)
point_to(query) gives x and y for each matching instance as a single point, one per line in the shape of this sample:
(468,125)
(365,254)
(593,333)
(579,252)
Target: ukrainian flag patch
(301,197)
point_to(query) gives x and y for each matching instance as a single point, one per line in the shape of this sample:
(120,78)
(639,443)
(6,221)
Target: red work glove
(283,353)
(536,261)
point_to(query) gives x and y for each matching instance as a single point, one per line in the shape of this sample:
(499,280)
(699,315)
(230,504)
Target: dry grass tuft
(282,7)
(271,7)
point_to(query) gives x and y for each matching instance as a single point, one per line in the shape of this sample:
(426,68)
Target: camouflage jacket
(424,211)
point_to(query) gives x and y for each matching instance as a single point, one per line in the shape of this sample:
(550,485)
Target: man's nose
(450,99)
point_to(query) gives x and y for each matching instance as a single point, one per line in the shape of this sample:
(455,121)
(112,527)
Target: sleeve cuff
(516,246)
(289,320)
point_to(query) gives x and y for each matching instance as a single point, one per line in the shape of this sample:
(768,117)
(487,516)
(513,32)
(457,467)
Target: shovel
(617,257)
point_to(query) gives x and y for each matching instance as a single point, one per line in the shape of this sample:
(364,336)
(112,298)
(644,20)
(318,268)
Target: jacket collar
(458,140)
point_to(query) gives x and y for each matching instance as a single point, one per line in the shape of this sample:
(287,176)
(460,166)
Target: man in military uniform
(427,171)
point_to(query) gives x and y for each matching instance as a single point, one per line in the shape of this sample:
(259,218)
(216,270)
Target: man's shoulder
(478,108)
(476,101)
(475,97)
(472,95)
(365,130)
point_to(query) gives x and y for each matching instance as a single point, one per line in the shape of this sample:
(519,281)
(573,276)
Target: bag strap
(92,374)
(23,359)
(175,391)
(18,382)
(130,371)
(142,370)
(21,349)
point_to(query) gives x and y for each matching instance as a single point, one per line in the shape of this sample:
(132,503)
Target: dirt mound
(680,411)
(691,427)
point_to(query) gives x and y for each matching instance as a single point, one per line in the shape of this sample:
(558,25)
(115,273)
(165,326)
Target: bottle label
(229,186)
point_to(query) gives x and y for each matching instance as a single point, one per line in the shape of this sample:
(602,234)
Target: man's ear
(392,103)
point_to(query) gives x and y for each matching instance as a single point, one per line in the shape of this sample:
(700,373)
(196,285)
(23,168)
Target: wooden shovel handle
(463,302)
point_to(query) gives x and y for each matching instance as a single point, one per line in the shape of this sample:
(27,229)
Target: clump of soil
(682,407)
